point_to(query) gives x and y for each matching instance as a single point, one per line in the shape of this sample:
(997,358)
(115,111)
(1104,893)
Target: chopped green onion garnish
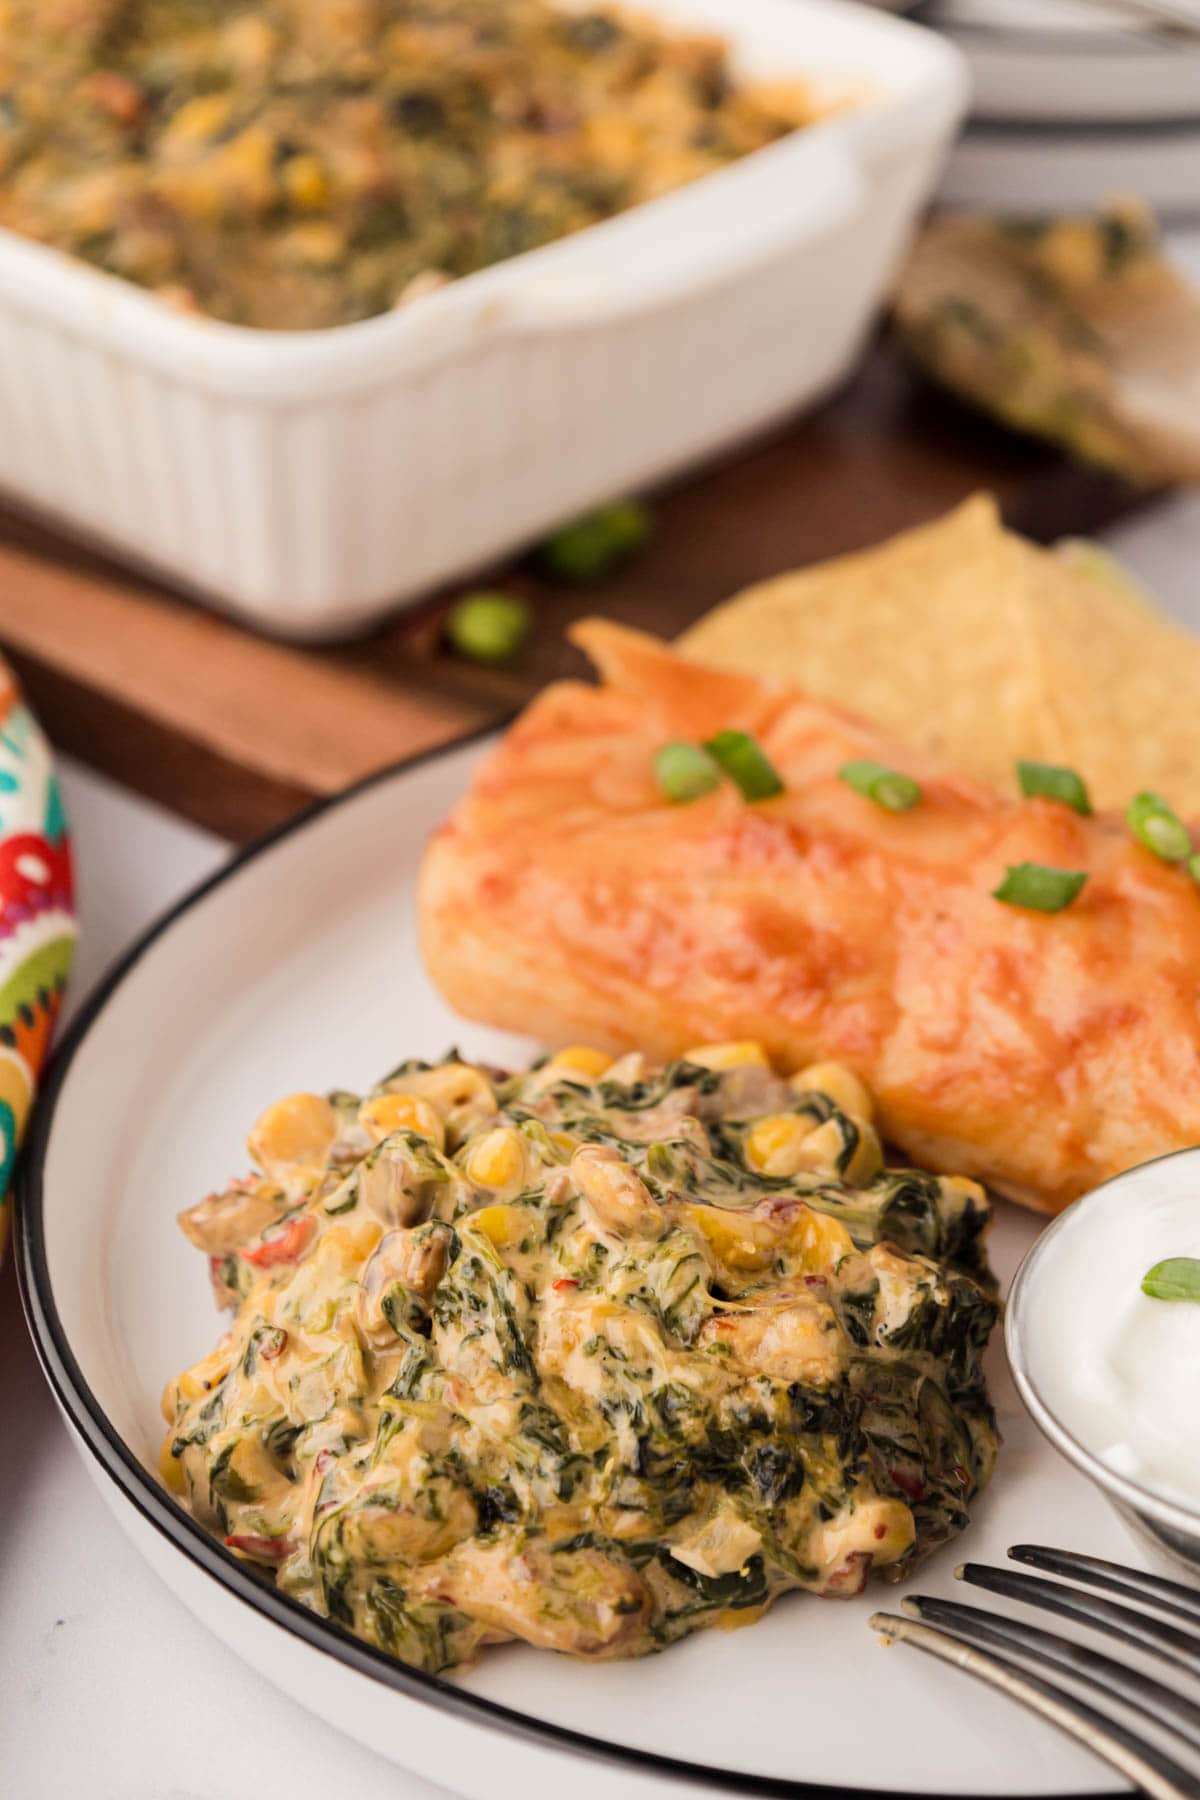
(886,787)
(1194,866)
(746,764)
(685,771)
(1052,782)
(488,627)
(591,547)
(1038,888)
(1178,1278)
(1154,824)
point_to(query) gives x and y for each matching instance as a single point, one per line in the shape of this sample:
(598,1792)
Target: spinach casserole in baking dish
(305,163)
(590,1356)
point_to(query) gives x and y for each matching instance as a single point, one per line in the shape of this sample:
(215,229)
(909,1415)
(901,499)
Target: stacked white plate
(1075,100)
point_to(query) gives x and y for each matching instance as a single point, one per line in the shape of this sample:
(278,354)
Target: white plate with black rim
(297,967)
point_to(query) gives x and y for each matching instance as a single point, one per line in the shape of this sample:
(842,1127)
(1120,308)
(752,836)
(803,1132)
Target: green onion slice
(746,763)
(886,787)
(489,627)
(1194,866)
(1050,781)
(1154,824)
(1039,888)
(587,549)
(1178,1278)
(685,772)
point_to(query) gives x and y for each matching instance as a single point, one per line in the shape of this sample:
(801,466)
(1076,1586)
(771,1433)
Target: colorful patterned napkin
(37,918)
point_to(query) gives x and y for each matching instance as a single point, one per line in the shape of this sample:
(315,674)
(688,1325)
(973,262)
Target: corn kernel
(199,119)
(170,1467)
(197,191)
(616,1196)
(501,1225)
(1073,253)
(774,1144)
(819,1241)
(616,140)
(825,1145)
(317,242)
(582,1059)
(249,41)
(739,1242)
(964,1190)
(297,1131)
(497,1159)
(839,1083)
(246,168)
(728,1056)
(204,1376)
(305,182)
(344,1247)
(450,1087)
(385,1113)
(867,1159)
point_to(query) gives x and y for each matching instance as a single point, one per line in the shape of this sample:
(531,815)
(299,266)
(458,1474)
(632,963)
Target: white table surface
(108,1688)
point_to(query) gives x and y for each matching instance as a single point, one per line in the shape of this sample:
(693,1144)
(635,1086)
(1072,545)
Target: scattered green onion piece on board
(746,764)
(1178,1278)
(488,627)
(685,772)
(1038,888)
(1154,824)
(886,787)
(591,547)
(1050,781)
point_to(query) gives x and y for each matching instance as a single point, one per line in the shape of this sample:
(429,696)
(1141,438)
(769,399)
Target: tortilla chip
(1124,685)
(979,647)
(930,635)
(1095,563)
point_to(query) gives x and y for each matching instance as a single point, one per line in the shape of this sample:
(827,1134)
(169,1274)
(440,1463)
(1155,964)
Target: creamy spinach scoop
(590,1356)
(295,166)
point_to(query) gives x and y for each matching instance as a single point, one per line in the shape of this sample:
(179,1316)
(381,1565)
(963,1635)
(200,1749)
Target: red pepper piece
(265,1549)
(288,1246)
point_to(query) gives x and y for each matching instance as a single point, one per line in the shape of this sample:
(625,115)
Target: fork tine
(1152,1590)
(1139,1762)
(1141,1693)
(1180,1648)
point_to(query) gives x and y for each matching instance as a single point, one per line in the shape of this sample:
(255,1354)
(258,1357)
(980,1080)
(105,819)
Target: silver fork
(1012,1656)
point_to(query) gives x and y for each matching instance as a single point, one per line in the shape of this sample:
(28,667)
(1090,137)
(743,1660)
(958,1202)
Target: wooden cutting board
(237,732)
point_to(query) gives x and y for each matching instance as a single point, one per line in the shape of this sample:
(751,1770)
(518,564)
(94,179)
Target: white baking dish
(310,481)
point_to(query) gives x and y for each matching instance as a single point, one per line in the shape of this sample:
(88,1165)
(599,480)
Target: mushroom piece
(295,1133)
(399,1277)
(398,1182)
(616,1197)
(224,1222)
(460,1094)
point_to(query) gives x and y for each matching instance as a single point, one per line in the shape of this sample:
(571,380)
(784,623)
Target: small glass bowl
(1150,1212)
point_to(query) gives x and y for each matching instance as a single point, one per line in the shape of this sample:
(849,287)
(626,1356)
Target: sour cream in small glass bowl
(1111,1375)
